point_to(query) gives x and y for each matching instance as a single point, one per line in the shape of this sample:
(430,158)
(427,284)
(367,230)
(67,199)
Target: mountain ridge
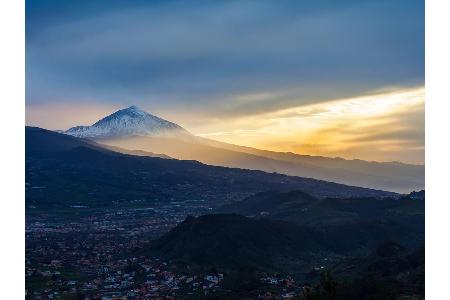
(385,176)
(95,175)
(133,129)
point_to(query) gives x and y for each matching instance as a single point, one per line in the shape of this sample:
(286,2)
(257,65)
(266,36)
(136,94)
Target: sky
(333,78)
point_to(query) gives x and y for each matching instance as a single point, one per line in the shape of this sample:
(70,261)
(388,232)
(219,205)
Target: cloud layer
(215,62)
(174,53)
(385,126)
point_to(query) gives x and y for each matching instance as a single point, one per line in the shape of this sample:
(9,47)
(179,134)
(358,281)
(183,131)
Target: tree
(328,285)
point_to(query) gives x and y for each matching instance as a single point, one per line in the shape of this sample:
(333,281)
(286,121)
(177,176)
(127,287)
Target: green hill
(233,241)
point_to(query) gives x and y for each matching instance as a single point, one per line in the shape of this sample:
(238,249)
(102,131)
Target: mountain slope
(348,223)
(42,141)
(62,170)
(388,176)
(303,209)
(134,129)
(391,272)
(135,152)
(128,121)
(233,241)
(394,176)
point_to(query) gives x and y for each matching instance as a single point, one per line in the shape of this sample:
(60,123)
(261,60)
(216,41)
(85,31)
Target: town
(95,257)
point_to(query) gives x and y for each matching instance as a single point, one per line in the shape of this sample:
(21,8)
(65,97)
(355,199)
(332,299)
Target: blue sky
(200,52)
(213,60)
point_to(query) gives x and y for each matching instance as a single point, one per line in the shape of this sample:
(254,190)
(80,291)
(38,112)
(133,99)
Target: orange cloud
(383,126)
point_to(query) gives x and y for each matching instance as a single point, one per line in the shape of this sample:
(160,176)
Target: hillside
(348,225)
(392,176)
(390,272)
(233,241)
(62,170)
(229,241)
(304,209)
(136,130)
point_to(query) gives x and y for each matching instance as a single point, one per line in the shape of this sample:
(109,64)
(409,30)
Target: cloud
(302,76)
(209,55)
(386,126)
(62,116)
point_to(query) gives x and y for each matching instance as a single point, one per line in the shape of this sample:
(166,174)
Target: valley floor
(94,255)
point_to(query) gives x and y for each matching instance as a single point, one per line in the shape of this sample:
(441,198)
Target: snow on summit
(126,122)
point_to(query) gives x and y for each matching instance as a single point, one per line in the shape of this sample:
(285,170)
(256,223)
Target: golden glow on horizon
(385,126)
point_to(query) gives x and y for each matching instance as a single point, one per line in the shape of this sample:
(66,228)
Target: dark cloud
(206,54)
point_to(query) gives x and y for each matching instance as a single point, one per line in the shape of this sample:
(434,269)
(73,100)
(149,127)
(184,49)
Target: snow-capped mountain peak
(126,122)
